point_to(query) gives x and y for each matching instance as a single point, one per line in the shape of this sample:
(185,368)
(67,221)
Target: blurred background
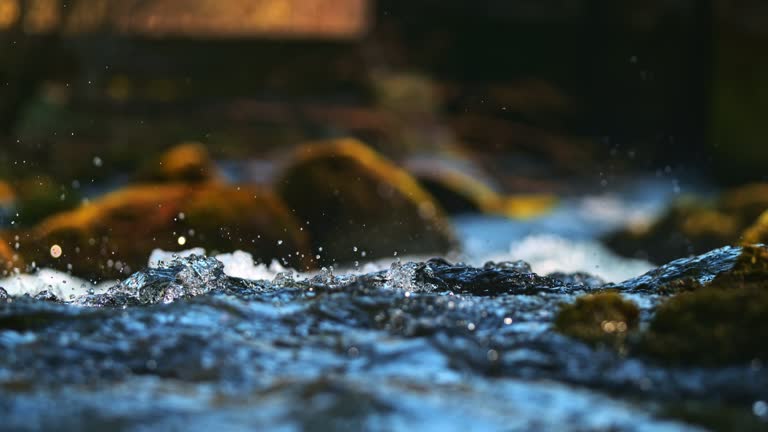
(580,117)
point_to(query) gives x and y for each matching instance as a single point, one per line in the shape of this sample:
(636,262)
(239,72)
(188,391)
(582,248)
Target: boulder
(357,204)
(715,321)
(693,227)
(114,235)
(187,162)
(711,326)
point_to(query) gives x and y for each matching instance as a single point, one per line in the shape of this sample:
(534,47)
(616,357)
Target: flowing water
(420,345)
(221,343)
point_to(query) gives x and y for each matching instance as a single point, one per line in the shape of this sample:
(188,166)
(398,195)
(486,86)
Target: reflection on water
(426,345)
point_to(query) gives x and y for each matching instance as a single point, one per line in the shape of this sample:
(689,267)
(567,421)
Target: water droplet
(492,355)
(182,241)
(56,251)
(97,162)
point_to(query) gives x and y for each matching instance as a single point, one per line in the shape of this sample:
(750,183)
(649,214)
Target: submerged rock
(603,318)
(114,235)
(693,227)
(356,204)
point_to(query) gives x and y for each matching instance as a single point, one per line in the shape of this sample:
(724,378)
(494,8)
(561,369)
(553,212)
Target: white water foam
(548,253)
(60,284)
(545,253)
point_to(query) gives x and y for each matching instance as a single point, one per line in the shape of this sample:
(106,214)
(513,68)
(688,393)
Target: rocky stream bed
(421,345)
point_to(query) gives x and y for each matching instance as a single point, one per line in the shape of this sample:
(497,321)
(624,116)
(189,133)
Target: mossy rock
(710,326)
(358,204)
(746,202)
(692,227)
(719,322)
(187,162)
(600,319)
(114,235)
(460,192)
(751,267)
(758,232)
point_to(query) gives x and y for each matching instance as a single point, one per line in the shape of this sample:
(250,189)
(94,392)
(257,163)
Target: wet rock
(181,278)
(357,204)
(602,318)
(114,235)
(491,280)
(718,312)
(710,326)
(693,227)
(735,265)
(187,162)
(519,266)
(578,279)
(422,336)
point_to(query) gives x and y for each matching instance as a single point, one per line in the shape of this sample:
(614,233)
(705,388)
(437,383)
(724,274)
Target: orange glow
(9,13)
(285,18)
(42,16)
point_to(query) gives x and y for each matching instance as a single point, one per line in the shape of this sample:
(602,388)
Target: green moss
(601,319)
(693,226)
(710,326)
(724,321)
